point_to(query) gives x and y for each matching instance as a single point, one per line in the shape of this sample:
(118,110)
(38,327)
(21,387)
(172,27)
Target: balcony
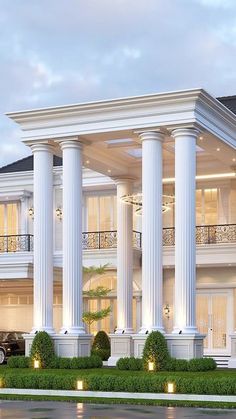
(205,235)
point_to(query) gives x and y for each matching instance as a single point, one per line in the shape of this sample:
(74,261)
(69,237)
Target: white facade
(180,143)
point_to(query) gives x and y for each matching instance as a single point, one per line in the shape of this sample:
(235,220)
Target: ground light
(170,387)
(150,366)
(80,385)
(36,363)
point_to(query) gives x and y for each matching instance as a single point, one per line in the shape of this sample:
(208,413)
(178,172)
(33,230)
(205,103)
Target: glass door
(214,320)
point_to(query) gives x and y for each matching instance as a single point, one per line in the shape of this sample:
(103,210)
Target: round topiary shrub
(101,346)
(42,350)
(156,351)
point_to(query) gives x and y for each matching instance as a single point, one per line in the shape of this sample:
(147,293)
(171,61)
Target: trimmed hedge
(156,351)
(151,383)
(101,345)
(173,364)
(42,350)
(18,361)
(92,361)
(131,364)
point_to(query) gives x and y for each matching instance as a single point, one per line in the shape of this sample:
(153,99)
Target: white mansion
(144,184)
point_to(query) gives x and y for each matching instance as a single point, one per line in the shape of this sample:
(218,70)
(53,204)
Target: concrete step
(221,360)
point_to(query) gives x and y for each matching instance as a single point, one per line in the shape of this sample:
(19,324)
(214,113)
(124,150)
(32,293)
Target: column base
(67,346)
(121,346)
(139,340)
(186,346)
(232,360)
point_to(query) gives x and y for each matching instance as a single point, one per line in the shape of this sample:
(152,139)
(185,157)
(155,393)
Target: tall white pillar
(185,225)
(43,237)
(152,275)
(72,238)
(124,258)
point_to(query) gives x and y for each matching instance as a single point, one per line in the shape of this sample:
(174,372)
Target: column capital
(70,143)
(42,147)
(190,132)
(151,135)
(126,179)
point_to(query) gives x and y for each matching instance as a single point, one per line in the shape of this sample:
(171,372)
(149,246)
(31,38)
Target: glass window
(8,218)
(206,206)
(101,213)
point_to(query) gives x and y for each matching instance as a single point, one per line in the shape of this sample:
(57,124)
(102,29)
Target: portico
(128,140)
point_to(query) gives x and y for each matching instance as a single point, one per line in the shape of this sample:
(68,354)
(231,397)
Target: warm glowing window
(206,206)
(101,213)
(8,218)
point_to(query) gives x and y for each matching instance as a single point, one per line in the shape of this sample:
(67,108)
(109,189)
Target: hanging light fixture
(136,200)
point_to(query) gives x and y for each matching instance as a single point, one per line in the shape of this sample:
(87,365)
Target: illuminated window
(206,206)
(101,213)
(8,219)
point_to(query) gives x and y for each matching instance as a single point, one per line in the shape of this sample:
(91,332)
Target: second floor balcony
(205,235)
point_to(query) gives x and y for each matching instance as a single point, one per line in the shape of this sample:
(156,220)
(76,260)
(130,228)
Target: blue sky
(64,51)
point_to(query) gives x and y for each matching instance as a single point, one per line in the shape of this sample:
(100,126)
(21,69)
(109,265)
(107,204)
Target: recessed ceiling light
(218,149)
(87,162)
(109,170)
(201,138)
(234,159)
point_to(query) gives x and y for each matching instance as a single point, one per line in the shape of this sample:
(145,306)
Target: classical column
(185,224)
(72,237)
(43,237)
(152,275)
(124,258)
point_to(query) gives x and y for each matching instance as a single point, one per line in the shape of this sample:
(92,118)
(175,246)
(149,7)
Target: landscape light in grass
(170,387)
(80,385)
(36,363)
(151,366)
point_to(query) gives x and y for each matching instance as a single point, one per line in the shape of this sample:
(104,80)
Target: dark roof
(26,164)
(229,102)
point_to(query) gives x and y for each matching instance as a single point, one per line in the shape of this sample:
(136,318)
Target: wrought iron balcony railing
(16,243)
(208,234)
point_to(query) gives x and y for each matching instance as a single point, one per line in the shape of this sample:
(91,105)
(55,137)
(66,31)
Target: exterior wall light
(36,364)
(80,385)
(166,310)
(59,213)
(31,212)
(150,366)
(170,388)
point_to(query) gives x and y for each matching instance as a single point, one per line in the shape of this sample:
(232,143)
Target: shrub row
(92,361)
(173,364)
(153,383)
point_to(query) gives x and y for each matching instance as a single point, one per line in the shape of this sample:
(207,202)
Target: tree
(90,317)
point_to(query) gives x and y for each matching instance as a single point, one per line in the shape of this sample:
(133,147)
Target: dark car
(11,343)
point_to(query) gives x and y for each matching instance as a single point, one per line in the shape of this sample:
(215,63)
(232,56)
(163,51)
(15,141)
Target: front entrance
(214,319)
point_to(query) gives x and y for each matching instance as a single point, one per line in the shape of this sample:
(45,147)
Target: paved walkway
(59,410)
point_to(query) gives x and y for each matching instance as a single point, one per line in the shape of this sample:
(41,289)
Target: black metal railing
(16,243)
(208,234)
(106,240)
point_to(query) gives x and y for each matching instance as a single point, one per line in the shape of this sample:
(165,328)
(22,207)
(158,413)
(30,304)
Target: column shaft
(72,238)
(124,258)
(185,224)
(43,237)
(152,276)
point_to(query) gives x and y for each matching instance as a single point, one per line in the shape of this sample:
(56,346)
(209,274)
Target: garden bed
(221,382)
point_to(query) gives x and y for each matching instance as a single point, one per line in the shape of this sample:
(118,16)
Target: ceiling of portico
(118,155)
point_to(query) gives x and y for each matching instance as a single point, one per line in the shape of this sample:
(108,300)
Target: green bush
(18,362)
(177,365)
(156,351)
(42,350)
(131,364)
(101,345)
(201,364)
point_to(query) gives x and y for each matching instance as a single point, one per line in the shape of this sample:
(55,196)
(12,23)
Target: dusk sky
(56,52)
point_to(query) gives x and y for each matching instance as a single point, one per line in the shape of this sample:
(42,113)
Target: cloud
(56,52)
